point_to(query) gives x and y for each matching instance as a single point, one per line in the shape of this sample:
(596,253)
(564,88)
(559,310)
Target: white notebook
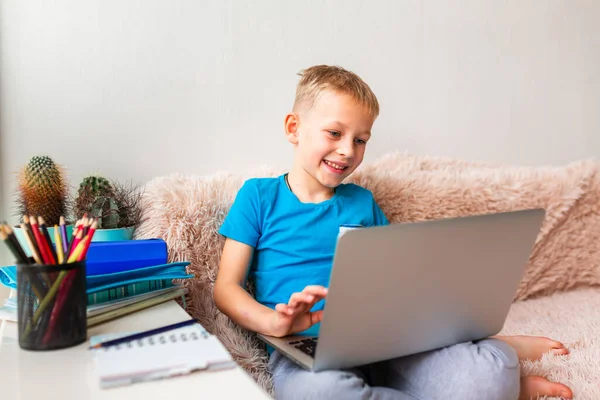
(171,353)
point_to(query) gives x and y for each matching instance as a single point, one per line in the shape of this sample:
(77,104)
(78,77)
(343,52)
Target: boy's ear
(292,121)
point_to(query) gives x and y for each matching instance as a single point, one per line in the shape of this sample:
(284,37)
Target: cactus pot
(112,235)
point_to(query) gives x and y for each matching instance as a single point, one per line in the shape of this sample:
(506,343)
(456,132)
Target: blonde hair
(318,78)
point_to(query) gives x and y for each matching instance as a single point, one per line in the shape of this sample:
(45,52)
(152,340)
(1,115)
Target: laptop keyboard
(307,346)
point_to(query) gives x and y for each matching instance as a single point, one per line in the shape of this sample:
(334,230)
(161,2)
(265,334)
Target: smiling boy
(282,232)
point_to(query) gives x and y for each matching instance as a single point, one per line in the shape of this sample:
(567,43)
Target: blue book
(111,257)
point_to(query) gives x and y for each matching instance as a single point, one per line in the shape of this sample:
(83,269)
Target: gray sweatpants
(486,369)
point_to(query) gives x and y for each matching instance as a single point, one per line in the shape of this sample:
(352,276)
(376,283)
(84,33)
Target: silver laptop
(407,288)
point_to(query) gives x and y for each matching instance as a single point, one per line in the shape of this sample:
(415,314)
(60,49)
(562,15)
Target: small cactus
(42,190)
(96,185)
(97,198)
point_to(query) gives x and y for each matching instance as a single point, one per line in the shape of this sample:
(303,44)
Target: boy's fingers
(299,298)
(311,295)
(316,317)
(284,309)
(312,301)
(315,290)
(307,320)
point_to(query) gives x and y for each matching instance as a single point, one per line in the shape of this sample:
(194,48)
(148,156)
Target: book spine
(126,291)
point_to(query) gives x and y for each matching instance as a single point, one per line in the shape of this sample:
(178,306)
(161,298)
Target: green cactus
(96,185)
(97,198)
(42,190)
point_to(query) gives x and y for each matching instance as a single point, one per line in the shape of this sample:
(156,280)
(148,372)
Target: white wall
(136,89)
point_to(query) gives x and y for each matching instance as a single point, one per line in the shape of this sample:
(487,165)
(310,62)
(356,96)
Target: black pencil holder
(51,305)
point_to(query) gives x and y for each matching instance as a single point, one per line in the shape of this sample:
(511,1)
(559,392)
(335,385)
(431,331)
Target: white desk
(69,373)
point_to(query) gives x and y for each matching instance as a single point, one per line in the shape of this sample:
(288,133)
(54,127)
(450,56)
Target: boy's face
(330,137)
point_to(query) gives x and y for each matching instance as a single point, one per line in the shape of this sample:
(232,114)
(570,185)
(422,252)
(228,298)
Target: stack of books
(122,278)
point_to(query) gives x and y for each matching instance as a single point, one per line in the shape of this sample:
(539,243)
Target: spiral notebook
(177,352)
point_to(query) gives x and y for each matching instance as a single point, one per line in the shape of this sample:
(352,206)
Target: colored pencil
(30,234)
(29,239)
(16,250)
(59,247)
(144,334)
(57,307)
(86,245)
(15,242)
(77,251)
(76,241)
(93,228)
(35,254)
(88,241)
(63,233)
(40,242)
(50,247)
(75,232)
(86,225)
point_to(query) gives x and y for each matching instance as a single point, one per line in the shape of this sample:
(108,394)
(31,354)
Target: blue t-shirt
(294,242)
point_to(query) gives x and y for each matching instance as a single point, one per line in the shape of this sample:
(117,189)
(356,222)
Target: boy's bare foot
(533,387)
(533,347)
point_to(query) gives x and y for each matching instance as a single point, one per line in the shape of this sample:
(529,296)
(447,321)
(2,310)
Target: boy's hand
(296,316)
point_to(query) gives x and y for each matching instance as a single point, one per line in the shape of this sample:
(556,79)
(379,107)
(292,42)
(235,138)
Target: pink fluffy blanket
(187,211)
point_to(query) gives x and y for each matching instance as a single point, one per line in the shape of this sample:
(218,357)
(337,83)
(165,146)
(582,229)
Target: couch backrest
(187,210)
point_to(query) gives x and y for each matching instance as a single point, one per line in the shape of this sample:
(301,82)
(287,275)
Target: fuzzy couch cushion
(187,212)
(573,317)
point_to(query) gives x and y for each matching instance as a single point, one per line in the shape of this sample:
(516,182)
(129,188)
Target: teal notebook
(177,270)
(96,283)
(129,290)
